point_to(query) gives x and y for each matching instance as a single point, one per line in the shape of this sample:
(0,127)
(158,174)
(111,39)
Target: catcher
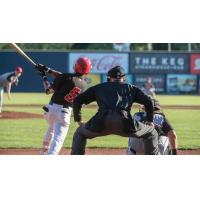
(6,81)
(65,88)
(114,99)
(167,139)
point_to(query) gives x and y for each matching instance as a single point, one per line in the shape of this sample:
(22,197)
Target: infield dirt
(89,151)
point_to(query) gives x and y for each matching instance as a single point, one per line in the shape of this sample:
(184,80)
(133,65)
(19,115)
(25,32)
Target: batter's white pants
(58,119)
(1,98)
(136,145)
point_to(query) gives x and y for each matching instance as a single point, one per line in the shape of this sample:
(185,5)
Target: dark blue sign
(30,81)
(156,63)
(157,80)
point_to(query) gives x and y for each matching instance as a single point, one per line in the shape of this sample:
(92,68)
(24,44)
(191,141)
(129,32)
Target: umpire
(114,99)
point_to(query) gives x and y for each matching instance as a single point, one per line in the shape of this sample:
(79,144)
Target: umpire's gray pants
(113,125)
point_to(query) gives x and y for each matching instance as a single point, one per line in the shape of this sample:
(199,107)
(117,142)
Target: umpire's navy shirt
(118,96)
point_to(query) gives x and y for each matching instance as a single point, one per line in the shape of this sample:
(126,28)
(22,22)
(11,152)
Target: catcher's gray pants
(1,98)
(113,125)
(136,146)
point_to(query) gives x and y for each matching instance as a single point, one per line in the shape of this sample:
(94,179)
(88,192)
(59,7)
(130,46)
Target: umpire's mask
(116,73)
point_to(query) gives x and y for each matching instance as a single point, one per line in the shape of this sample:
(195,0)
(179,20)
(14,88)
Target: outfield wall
(30,81)
(172,73)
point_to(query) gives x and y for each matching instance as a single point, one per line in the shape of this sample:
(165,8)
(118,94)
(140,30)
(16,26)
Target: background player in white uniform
(65,88)
(167,139)
(6,81)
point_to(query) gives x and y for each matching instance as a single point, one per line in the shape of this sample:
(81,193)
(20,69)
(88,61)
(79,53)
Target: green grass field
(41,98)
(26,133)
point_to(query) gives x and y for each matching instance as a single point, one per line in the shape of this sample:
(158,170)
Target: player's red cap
(83,66)
(19,69)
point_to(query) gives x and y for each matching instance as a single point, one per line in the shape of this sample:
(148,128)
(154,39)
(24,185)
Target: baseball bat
(22,53)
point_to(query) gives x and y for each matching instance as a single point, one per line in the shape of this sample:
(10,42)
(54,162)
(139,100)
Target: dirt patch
(89,151)
(25,115)
(19,115)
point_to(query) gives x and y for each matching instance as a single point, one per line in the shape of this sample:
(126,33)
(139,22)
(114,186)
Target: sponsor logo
(195,63)
(102,62)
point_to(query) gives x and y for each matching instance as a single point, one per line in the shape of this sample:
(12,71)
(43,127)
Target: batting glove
(41,68)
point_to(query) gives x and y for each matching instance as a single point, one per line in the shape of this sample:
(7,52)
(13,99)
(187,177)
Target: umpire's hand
(81,123)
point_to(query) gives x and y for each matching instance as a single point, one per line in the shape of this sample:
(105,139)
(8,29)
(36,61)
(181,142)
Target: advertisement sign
(157,80)
(101,62)
(92,79)
(181,84)
(129,78)
(155,63)
(195,63)
(199,84)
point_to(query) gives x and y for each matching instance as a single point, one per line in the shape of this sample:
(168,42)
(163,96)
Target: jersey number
(72,94)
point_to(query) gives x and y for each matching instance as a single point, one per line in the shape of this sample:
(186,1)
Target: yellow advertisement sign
(92,79)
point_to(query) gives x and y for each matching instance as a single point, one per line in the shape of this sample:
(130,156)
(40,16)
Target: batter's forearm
(47,70)
(47,86)
(54,73)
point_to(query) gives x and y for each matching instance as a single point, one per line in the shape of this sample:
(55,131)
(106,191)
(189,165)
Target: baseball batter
(114,99)
(65,88)
(6,81)
(167,140)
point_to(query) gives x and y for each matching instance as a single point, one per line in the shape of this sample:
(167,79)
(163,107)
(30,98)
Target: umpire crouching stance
(114,99)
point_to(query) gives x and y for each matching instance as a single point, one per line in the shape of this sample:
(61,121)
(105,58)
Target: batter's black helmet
(116,72)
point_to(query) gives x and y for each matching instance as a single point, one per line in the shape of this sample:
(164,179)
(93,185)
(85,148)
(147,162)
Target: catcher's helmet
(83,66)
(116,72)
(18,69)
